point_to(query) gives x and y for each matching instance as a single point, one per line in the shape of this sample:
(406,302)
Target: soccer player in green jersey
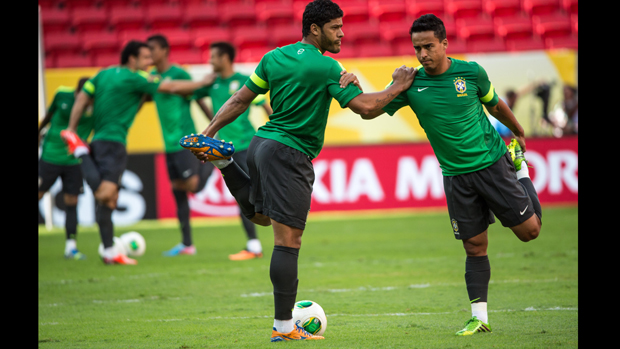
(240,131)
(56,162)
(116,93)
(482,178)
(186,175)
(277,190)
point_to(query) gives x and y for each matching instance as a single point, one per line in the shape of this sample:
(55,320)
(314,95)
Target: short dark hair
(319,12)
(160,40)
(225,48)
(81,83)
(429,22)
(132,48)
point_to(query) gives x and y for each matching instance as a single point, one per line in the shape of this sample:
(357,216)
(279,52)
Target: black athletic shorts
(475,198)
(183,164)
(71,176)
(282,179)
(110,158)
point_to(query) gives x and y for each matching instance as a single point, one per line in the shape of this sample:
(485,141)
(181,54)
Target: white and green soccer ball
(311,316)
(119,247)
(134,243)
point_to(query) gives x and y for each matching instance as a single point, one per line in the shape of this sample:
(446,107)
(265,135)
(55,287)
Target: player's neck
(163,66)
(309,41)
(227,72)
(442,68)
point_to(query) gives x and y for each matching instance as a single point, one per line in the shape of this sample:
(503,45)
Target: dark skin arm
(503,114)
(370,103)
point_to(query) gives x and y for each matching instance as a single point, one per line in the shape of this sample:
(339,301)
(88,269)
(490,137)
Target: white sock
(479,310)
(523,172)
(254,246)
(109,252)
(284,326)
(222,163)
(70,245)
(79,151)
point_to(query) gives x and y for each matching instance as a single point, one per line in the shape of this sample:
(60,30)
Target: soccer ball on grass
(134,244)
(119,247)
(311,316)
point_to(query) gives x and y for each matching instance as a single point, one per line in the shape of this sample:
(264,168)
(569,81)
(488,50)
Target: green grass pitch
(385,281)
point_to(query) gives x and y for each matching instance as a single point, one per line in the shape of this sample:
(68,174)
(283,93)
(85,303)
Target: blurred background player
(240,131)
(56,162)
(117,92)
(186,175)
(277,191)
(447,97)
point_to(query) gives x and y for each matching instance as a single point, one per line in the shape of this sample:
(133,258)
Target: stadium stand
(92,30)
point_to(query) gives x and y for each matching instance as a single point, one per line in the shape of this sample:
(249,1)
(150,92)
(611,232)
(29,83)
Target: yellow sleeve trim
(89,87)
(489,96)
(259,82)
(258,99)
(143,74)
(65,89)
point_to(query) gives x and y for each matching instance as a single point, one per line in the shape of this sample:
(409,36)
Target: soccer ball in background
(134,244)
(311,316)
(119,246)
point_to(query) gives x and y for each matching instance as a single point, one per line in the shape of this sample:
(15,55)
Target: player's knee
(531,234)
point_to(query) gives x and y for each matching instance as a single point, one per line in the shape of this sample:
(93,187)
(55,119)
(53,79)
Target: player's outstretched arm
(368,104)
(503,114)
(184,87)
(238,103)
(81,101)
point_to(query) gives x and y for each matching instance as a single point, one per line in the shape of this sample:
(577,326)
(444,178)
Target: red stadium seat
(552,25)
(160,16)
(187,57)
(89,18)
(107,59)
(463,8)
(62,43)
(199,15)
(361,32)
(237,14)
(127,17)
(178,39)
(74,60)
(502,8)
(451,28)
(250,37)
(564,42)
(475,28)
(50,61)
(285,34)
(354,11)
(55,20)
(395,32)
(491,45)
(456,46)
(99,42)
(417,8)
(387,10)
(574,22)
(78,4)
(525,44)
(403,48)
(540,7)
(203,37)
(124,36)
(379,49)
(514,27)
(274,12)
(253,54)
(570,6)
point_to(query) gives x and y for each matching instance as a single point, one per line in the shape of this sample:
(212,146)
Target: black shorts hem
(285,219)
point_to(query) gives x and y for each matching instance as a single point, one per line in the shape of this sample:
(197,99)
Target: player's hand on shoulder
(347,78)
(209,79)
(403,76)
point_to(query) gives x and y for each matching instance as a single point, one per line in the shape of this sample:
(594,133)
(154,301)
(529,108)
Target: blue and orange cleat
(180,249)
(212,148)
(297,334)
(120,259)
(75,254)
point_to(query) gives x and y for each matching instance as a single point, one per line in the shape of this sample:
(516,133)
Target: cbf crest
(455,228)
(461,86)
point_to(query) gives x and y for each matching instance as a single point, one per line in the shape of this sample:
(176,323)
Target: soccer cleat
(472,326)
(297,334)
(75,254)
(120,259)
(180,249)
(243,255)
(516,154)
(214,149)
(72,140)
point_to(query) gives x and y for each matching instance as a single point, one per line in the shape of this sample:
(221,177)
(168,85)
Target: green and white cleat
(472,326)
(516,154)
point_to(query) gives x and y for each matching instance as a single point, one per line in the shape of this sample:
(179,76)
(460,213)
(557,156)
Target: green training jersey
(240,131)
(117,92)
(449,109)
(54,149)
(302,83)
(173,110)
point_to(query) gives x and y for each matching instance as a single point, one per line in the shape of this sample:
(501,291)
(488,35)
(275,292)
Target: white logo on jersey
(301,50)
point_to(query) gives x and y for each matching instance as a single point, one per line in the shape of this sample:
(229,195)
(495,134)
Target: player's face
(331,36)
(428,49)
(216,60)
(144,59)
(157,52)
